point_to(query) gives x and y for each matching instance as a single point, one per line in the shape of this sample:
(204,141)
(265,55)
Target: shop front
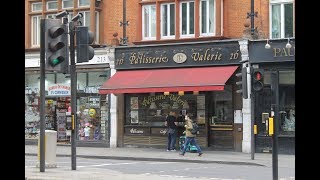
(280,58)
(92,108)
(196,78)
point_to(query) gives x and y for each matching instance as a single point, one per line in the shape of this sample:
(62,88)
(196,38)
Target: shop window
(151,110)
(282,19)
(168,20)
(287,109)
(149,22)
(223,111)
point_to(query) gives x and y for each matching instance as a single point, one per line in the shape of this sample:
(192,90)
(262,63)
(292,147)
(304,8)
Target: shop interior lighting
(195,92)
(181,93)
(267,46)
(288,45)
(166,93)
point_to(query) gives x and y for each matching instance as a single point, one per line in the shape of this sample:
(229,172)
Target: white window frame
(187,35)
(83,19)
(149,37)
(33,6)
(167,36)
(282,17)
(85,5)
(96,36)
(63,4)
(207,33)
(35,32)
(48,2)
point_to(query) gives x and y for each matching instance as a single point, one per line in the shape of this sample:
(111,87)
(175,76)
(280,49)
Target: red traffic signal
(257,80)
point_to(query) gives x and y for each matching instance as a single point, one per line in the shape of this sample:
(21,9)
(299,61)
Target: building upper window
(168,20)
(149,22)
(67,4)
(36,7)
(282,19)
(52,5)
(35,29)
(187,19)
(84,3)
(207,22)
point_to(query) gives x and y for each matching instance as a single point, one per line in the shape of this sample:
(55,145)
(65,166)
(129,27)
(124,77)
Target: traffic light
(84,38)
(56,46)
(257,80)
(242,83)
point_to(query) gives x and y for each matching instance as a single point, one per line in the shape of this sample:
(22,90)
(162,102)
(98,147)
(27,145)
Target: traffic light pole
(42,94)
(275,95)
(73,77)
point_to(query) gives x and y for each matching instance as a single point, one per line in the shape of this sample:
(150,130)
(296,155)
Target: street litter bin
(50,146)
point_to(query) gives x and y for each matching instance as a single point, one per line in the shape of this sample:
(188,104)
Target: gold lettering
(276,52)
(195,56)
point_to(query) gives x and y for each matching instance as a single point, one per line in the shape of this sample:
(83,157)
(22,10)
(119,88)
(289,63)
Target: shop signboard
(59,90)
(178,55)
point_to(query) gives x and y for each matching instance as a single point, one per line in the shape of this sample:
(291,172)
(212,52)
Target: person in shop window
(289,122)
(87,132)
(171,123)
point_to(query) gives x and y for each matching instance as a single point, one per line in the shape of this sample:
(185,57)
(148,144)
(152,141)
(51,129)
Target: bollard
(50,147)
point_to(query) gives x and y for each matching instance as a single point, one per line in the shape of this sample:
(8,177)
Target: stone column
(246,103)
(113,109)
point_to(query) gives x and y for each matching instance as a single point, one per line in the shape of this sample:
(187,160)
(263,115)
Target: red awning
(171,80)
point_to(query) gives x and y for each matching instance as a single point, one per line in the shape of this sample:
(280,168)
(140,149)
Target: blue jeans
(172,140)
(192,141)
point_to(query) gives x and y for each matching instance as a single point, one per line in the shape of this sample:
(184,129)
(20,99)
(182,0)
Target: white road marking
(97,165)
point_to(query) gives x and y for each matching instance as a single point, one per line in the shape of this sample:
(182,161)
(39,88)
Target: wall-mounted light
(267,46)
(181,93)
(166,93)
(195,92)
(288,45)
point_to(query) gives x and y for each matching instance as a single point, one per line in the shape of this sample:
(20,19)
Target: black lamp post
(252,14)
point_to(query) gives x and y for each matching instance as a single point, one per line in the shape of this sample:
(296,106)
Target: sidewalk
(153,154)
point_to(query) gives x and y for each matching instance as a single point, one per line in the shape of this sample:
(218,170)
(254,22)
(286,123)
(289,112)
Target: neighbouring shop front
(279,58)
(196,78)
(92,108)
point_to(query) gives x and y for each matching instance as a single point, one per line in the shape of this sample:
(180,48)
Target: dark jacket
(170,121)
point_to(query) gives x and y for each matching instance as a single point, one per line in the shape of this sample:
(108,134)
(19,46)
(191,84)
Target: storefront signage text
(283,52)
(136,131)
(197,54)
(58,90)
(277,53)
(173,97)
(163,131)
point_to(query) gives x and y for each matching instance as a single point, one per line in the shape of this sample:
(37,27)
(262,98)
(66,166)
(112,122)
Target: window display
(89,127)
(151,110)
